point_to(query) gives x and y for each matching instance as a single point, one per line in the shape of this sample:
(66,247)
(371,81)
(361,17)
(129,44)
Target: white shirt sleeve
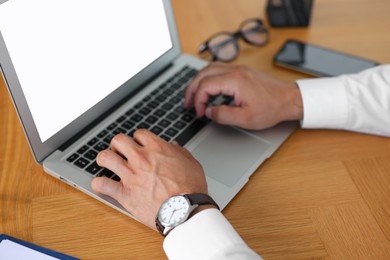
(207,235)
(358,102)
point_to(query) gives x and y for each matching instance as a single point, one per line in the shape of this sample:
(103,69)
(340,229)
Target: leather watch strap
(201,199)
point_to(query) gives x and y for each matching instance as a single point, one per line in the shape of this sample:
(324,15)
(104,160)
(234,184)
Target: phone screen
(319,61)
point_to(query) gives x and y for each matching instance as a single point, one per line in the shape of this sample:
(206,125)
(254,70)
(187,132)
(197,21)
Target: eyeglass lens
(224,46)
(254,33)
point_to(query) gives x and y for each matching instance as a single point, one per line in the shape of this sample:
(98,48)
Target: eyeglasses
(224,46)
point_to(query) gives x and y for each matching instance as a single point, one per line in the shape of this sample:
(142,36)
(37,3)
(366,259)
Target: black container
(289,13)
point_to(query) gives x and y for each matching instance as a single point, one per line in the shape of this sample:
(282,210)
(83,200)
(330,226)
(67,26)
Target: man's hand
(260,100)
(151,171)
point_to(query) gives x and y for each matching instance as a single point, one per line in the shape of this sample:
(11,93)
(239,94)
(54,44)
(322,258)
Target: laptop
(80,72)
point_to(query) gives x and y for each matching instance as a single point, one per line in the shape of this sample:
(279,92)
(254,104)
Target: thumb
(225,115)
(107,187)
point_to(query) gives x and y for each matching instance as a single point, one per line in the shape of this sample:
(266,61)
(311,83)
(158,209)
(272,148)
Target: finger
(213,69)
(226,115)
(144,137)
(108,187)
(124,145)
(121,140)
(114,162)
(210,87)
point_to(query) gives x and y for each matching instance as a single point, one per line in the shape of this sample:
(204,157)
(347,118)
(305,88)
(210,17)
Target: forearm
(359,102)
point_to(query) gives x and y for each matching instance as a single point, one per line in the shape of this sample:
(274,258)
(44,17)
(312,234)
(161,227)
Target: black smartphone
(319,61)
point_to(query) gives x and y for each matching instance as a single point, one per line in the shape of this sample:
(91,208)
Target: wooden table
(324,194)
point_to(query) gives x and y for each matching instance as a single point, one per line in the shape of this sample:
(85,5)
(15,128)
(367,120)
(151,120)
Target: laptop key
(175,100)
(164,123)
(128,125)
(100,146)
(109,174)
(172,116)
(143,126)
(136,118)
(119,130)
(187,117)
(94,168)
(112,126)
(171,132)
(192,73)
(93,141)
(156,130)
(116,178)
(159,113)
(161,98)
(179,125)
(83,149)
(162,86)
(105,172)
(91,154)
(130,112)
(121,119)
(151,119)
(138,105)
(167,106)
(183,80)
(72,157)
(108,138)
(145,111)
(81,163)
(180,109)
(166,138)
(176,86)
(153,104)
(190,131)
(168,92)
(102,133)
(131,133)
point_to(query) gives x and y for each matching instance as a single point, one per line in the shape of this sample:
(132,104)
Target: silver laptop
(80,72)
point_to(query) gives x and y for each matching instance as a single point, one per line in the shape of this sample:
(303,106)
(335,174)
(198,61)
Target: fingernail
(208,112)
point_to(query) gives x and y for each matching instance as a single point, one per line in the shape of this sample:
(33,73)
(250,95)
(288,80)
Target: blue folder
(37,248)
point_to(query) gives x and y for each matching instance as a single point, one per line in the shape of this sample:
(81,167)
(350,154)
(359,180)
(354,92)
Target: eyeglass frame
(235,36)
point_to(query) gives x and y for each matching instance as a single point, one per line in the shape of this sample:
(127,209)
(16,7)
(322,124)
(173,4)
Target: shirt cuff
(203,236)
(325,103)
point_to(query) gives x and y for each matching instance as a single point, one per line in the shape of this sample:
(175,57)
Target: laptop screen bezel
(42,149)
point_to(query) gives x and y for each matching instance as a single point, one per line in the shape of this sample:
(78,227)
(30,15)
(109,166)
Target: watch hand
(173,213)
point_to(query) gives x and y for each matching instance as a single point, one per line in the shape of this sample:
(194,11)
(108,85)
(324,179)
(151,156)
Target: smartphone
(319,61)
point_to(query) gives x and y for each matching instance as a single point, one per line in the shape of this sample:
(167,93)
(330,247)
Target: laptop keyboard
(161,112)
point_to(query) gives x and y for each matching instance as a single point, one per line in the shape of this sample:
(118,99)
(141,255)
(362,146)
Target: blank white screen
(70,54)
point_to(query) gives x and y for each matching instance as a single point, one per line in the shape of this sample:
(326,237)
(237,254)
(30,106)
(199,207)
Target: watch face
(174,211)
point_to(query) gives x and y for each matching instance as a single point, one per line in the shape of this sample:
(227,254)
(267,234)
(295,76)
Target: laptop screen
(69,55)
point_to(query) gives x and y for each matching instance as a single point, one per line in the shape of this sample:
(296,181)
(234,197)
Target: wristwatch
(177,209)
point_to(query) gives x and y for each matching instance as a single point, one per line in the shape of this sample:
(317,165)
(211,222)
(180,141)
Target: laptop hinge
(111,110)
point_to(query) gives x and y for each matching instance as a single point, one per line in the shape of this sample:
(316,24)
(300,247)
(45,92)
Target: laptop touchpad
(227,153)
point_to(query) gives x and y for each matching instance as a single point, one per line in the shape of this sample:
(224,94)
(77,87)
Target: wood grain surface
(324,194)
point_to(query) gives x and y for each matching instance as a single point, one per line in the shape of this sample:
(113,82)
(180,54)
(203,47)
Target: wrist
(294,104)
